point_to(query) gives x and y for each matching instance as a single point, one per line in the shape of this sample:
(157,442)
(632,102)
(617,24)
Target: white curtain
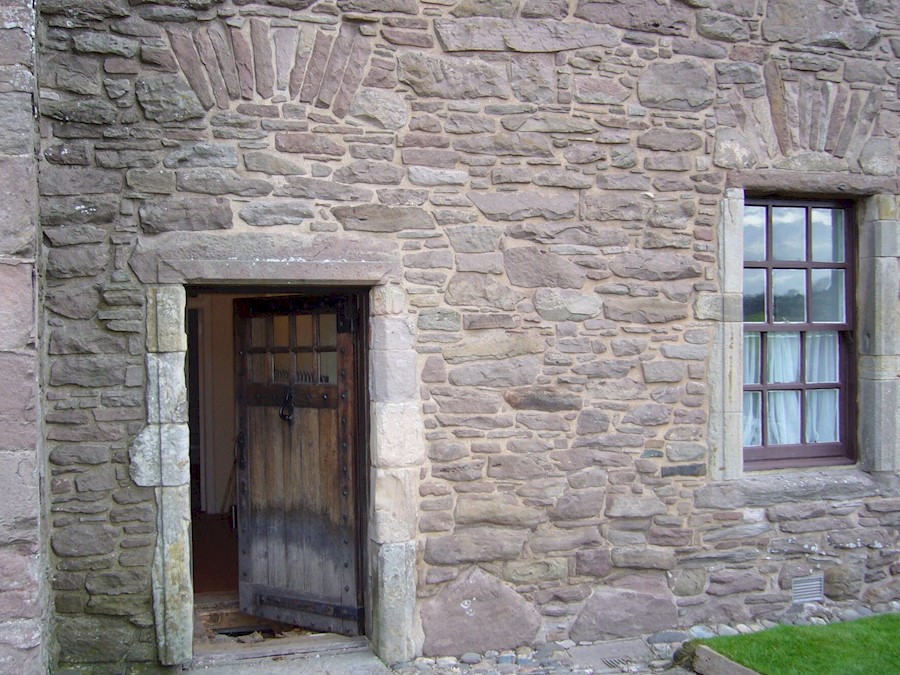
(752,407)
(783,409)
(822,418)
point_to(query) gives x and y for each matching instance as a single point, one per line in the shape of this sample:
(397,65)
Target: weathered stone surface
(519,144)
(456,78)
(544,398)
(649,266)
(83,111)
(606,207)
(532,267)
(669,141)
(185,213)
(386,6)
(513,372)
(477,612)
(728,582)
(494,345)
(680,85)
(469,288)
(555,304)
(310,144)
(95,9)
(84,539)
(633,506)
(493,34)
(733,151)
(496,511)
(806,22)
(272,164)
(378,218)
(643,558)
(533,79)
(516,206)
(83,260)
(721,26)
(220,155)
(269,214)
(383,110)
(843,582)
(167,98)
(599,90)
(878,157)
(313,188)
(475,544)
(370,171)
(636,606)
(212,181)
(637,15)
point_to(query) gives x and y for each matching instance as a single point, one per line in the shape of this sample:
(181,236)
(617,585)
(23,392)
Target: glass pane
(828,296)
(822,416)
(789,296)
(754,296)
(754,233)
(788,233)
(283,367)
(259,368)
(752,418)
(783,418)
(782,357)
(258,331)
(328,368)
(828,235)
(822,360)
(304,330)
(305,368)
(751,358)
(281,331)
(327,330)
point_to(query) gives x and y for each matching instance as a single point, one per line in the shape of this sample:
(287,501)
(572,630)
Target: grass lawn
(869,646)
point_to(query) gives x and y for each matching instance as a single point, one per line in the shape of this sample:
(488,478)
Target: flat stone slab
(607,657)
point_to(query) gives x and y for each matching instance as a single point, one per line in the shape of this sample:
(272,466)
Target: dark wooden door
(298,500)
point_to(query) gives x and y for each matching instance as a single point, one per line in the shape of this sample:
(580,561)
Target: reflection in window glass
(782,358)
(822,360)
(751,358)
(752,418)
(327,330)
(788,233)
(306,368)
(283,367)
(281,330)
(822,416)
(783,418)
(754,295)
(259,368)
(789,296)
(304,330)
(258,331)
(828,296)
(328,367)
(755,233)
(827,235)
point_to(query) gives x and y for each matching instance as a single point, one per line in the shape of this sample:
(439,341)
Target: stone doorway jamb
(160,453)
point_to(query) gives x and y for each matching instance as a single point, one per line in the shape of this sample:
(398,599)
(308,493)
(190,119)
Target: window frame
(805,454)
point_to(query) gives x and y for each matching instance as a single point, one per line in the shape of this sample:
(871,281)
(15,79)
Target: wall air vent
(808,589)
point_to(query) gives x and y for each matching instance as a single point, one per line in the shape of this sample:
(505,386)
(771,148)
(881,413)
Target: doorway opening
(278,459)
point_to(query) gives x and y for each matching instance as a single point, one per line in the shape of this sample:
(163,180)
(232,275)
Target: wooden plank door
(298,515)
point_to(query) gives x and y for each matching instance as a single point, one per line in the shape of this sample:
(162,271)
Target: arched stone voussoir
(475,613)
(185,257)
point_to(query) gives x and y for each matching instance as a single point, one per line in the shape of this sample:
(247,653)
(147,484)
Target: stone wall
(551,175)
(23,607)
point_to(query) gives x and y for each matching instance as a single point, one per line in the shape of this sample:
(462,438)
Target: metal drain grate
(808,589)
(617,663)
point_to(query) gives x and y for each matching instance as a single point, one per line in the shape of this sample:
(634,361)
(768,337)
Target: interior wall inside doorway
(212,394)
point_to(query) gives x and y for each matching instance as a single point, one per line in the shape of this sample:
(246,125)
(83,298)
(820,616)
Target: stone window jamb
(877,334)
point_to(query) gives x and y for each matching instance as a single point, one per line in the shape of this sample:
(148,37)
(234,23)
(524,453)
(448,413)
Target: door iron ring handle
(287,408)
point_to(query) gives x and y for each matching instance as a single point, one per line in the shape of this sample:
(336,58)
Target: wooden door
(298,501)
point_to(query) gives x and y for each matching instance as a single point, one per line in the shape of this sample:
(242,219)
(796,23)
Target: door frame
(350,308)
(159,454)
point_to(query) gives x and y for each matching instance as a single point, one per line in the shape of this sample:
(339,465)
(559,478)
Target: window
(798,354)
